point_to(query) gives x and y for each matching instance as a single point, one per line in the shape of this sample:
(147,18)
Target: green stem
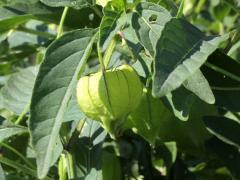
(108,54)
(180,9)
(22,115)
(18,154)
(100,58)
(70,165)
(35,32)
(220,70)
(60,27)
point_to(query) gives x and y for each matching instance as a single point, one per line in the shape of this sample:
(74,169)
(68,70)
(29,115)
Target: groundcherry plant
(119,89)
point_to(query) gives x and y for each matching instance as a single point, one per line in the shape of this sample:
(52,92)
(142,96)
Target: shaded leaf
(179,102)
(229,155)
(88,148)
(17,91)
(224,128)
(226,89)
(55,82)
(8,131)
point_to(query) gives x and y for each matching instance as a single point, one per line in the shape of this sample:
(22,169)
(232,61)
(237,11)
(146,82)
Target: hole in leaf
(153,18)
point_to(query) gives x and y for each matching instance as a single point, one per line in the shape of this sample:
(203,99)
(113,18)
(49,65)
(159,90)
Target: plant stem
(70,164)
(108,54)
(100,58)
(220,70)
(22,115)
(60,27)
(18,154)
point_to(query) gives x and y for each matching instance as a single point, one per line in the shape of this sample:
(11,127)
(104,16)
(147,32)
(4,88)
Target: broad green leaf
(17,91)
(225,129)
(199,85)
(55,83)
(78,4)
(180,52)
(73,111)
(2,175)
(8,131)
(179,48)
(111,23)
(111,168)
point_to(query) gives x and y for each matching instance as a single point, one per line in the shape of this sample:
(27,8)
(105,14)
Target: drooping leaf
(8,131)
(55,82)
(78,4)
(225,129)
(111,23)
(17,91)
(198,84)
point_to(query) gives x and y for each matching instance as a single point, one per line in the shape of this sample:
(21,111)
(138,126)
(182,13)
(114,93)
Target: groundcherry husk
(110,97)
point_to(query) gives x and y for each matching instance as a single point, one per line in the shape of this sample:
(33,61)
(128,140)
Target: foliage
(187,56)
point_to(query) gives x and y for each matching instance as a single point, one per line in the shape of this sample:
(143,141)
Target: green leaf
(2,175)
(223,75)
(88,148)
(146,118)
(78,4)
(225,129)
(9,131)
(181,50)
(12,2)
(111,168)
(111,23)
(93,174)
(149,21)
(17,91)
(73,111)
(55,82)
(179,102)
(199,85)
